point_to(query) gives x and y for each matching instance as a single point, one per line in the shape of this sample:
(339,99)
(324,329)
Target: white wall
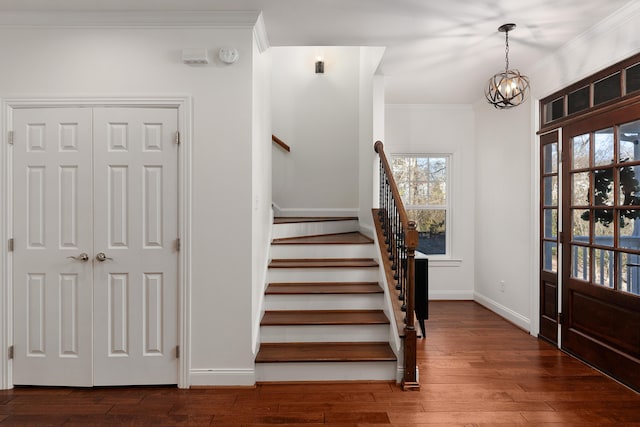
(261,169)
(503,220)
(317,115)
(85,62)
(443,129)
(371,94)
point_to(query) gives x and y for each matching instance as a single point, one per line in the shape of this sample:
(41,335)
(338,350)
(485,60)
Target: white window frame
(449,186)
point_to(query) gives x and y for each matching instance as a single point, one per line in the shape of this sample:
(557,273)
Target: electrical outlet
(501,285)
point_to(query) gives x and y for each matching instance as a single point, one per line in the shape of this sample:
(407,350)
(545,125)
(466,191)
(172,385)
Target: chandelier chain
(506,50)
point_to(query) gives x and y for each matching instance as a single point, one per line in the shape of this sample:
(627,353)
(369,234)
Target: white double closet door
(95,264)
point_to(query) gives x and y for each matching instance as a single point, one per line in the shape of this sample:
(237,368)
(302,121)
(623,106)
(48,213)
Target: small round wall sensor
(228,55)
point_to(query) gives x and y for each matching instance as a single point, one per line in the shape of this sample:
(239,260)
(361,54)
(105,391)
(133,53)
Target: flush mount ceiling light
(508,88)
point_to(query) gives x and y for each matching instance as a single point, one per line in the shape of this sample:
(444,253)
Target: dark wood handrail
(401,239)
(379,148)
(281,143)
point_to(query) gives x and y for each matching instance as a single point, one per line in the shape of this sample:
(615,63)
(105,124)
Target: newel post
(410,380)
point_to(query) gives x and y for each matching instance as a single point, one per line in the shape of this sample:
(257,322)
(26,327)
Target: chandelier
(508,88)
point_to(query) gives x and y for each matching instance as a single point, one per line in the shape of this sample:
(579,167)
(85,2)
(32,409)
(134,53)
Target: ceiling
(437,52)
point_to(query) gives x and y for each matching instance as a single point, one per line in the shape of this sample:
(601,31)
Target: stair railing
(400,241)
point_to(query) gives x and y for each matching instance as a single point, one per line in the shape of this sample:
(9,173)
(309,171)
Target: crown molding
(130,19)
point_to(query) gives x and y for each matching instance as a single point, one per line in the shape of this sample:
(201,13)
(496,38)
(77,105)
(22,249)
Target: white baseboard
(279,212)
(451,295)
(222,377)
(515,318)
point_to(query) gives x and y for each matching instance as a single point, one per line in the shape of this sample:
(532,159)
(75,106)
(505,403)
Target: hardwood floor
(476,369)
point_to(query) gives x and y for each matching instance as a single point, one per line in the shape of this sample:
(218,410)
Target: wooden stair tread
(323,288)
(325,352)
(323,317)
(323,263)
(352,238)
(297,219)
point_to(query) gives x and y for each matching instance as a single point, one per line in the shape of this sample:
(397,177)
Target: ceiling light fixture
(508,88)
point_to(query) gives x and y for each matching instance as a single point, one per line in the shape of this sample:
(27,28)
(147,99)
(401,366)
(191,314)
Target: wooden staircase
(324,314)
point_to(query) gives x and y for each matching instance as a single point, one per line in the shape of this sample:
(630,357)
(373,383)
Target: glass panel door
(549,190)
(601,246)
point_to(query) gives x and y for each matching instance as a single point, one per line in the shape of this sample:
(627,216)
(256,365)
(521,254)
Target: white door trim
(183,103)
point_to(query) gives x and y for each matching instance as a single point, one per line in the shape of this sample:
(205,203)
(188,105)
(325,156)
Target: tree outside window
(423,185)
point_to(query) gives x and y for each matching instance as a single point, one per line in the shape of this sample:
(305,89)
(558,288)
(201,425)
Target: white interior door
(95,181)
(136,226)
(52,221)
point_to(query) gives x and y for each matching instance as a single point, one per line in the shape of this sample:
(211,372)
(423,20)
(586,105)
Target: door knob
(100,256)
(82,257)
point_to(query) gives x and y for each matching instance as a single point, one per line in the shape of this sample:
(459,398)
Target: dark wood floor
(475,370)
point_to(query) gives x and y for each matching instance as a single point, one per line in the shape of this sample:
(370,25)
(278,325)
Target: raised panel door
(136,204)
(52,223)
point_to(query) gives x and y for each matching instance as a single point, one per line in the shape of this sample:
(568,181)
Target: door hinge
(177,352)
(178,137)
(10,352)
(561,236)
(178,244)
(560,318)
(10,137)
(10,245)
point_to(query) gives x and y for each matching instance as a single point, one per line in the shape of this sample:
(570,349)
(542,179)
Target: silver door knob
(82,257)
(100,256)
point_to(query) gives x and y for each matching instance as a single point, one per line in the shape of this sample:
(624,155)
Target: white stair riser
(297,275)
(326,371)
(299,229)
(325,302)
(324,333)
(322,251)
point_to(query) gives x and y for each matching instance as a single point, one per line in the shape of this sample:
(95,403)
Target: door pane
(602,187)
(603,228)
(550,257)
(603,148)
(580,262)
(629,273)
(603,267)
(550,223)
(629,229)
(580,189)
(629,187)
(551,191)
(580,225)
(580,152)
(629,141)
(551,158)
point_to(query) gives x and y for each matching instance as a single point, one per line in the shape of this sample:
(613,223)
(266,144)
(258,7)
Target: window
(598,90)
(423,182)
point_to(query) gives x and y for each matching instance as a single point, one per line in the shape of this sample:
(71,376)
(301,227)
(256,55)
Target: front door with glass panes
(601,242)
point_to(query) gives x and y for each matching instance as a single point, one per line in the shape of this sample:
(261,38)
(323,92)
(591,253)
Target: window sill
(444,262)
